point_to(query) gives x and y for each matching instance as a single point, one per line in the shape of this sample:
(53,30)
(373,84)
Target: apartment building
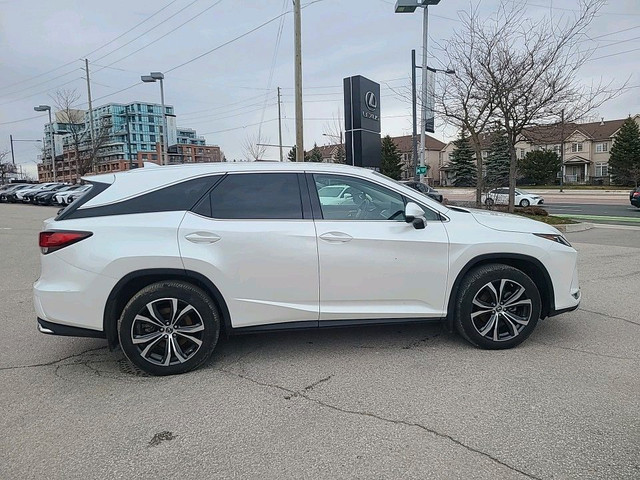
(125,135)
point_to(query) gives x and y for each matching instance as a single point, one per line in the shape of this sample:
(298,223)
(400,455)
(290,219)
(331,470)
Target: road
(379,402)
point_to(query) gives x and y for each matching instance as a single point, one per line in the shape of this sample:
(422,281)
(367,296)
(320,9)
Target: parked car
(20,195)
(66,197)
(634,197)
(45,197)
(31,196)
(426,189)
(162,261)
(4,194)
(16,195)
(500,196)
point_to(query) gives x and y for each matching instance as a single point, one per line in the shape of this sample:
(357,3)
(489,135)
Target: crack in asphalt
(54,362)
(583,351)
(298,393)
(610,316)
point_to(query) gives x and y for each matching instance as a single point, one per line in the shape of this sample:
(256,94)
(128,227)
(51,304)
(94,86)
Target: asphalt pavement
(379,402)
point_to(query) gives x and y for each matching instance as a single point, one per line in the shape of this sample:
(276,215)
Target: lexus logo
(371,101)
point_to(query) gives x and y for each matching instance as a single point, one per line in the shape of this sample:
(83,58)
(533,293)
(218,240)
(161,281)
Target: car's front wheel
(488,201)
(498,306)
(524,202)
(169,327)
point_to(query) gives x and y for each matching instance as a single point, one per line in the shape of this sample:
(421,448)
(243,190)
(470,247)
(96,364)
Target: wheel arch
(133,282)
(531,266)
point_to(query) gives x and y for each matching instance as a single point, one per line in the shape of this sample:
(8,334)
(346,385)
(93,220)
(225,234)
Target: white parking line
(615,227)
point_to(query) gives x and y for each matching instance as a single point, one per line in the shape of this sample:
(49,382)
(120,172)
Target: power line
(21,120)
(613,54)
(42,92)
(93,51)
(142,34)
(168,33)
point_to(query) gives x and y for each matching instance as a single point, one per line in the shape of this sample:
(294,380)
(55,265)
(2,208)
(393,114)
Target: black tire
(206,315)
(524,203)
(474,285)
(488,201)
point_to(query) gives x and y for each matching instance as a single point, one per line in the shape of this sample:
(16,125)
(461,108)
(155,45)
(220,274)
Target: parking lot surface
(379,402)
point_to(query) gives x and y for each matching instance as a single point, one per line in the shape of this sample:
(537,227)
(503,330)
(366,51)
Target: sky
(225,86)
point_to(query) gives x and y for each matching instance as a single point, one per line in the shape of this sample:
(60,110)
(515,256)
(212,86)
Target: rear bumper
(50,328)
(635,202)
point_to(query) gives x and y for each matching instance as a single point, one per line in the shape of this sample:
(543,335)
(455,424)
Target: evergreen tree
(624,159)
(463,165)
(391,162)
(291,156)
(315,155)
(498,161)
(541,166)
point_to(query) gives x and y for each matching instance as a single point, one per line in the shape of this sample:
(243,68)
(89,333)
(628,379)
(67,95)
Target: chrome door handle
(202,237)
(336,237)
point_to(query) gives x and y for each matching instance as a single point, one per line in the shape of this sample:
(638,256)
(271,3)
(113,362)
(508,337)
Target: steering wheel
(365,208)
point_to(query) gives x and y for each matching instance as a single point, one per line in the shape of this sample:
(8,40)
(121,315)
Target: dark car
(634,197)
(46,197)
(7,195)
(426,189)
(31,196)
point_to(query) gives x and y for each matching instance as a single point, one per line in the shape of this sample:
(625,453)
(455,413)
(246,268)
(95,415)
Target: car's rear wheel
(524,202)
(169,327)
(498,307)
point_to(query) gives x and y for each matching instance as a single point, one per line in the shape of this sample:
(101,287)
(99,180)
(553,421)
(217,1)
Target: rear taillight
(637,194)
(52,241)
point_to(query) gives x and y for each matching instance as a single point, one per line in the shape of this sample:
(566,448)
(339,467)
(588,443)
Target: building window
(152,138)
(576,147)
(602,147)
(151,120)
(602,169)
(149,108)
(152,128)
(485,154)
(521,153)
(154,157)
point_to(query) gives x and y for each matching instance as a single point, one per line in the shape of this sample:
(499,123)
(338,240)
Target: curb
(574,227)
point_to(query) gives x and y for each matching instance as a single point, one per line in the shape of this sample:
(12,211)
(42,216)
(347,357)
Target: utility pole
(423,115)
(279,126)
(414,108)
(562,150)
(298,81)
(86,67)
(13,158)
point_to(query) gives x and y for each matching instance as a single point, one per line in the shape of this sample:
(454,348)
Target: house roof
(547,134)
(404,143)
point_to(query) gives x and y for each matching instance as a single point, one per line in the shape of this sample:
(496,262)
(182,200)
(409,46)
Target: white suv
(164,260)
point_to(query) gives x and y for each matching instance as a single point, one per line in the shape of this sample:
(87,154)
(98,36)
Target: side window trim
(316,208)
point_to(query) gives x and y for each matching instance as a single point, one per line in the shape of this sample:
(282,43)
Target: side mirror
(415,215)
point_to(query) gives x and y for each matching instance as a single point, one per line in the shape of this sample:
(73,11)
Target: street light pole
(151,78)
(298,80)
(423,115)
(562,150)
(47,108)
(414,108)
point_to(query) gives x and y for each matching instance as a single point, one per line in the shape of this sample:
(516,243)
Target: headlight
(554,238)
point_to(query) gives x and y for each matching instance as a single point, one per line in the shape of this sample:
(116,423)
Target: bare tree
(335,134)
(254,148)
(526,70)
(65,102)
(90,150)
(462,98)
(6,167)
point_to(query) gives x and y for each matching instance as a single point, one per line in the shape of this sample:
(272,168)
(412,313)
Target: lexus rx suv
(162,261)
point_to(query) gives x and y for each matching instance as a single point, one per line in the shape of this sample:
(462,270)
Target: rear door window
(257,196)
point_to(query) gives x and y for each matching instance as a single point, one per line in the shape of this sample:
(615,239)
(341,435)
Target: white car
(335,194)
(164,260)
(34,189)
(500,196)
(66,197)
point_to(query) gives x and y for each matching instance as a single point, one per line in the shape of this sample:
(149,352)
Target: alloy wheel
(167,331)
(501,310)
